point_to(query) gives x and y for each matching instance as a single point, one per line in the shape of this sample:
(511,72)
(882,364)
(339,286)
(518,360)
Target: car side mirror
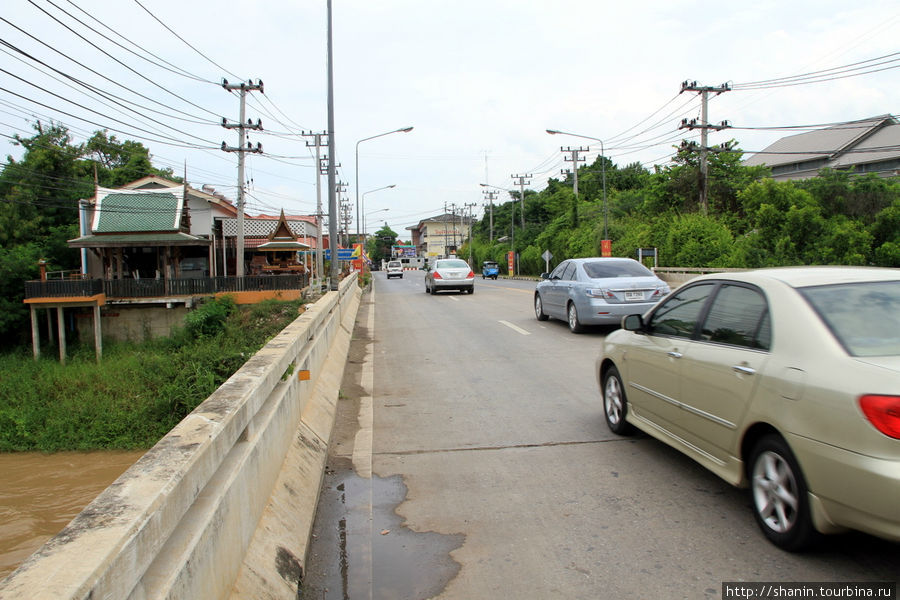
(545,275)
(633,323)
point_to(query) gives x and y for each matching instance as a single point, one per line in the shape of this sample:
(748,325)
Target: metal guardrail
(161,288)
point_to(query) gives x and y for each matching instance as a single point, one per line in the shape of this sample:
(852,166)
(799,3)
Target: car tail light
(883,412)
(471,275)
(437,275)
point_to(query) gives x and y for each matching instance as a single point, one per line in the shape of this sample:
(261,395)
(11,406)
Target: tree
(379,245)
(121,162)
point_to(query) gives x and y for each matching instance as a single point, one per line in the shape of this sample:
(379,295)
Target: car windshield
(452,264)
(601,269)
(864,317)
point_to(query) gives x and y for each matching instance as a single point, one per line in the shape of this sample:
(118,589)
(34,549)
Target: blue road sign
(343,253)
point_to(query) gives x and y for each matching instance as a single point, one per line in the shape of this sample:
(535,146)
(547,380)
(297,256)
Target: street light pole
(401,130)
(602,170)
(387,187)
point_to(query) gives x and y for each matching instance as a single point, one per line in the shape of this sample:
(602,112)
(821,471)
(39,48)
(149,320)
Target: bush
(139,391)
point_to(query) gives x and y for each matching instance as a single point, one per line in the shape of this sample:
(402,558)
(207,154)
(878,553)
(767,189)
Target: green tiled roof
(151,211)
(137,239)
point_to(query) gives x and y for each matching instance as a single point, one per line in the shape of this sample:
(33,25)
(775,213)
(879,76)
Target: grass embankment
(139,391)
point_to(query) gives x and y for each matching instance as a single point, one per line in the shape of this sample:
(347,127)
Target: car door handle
(674,354)
(743,370)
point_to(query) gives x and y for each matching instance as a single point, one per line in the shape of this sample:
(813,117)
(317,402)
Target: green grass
(138,392)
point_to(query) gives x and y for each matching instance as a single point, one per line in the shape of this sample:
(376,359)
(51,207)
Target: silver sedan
(449,274)
(596,291)
(786,381)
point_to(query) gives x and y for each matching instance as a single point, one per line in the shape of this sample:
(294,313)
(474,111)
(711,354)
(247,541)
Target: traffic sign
(343,253)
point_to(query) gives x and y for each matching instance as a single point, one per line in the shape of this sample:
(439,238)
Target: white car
(394,269)
(449,274)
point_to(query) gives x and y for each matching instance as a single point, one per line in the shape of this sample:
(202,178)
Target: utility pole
(704,127)
(446,233)
(241,150)
(470,206)
(491,196)
(575,158)
(522,183)
(346,216)
(320,218)
(453,223)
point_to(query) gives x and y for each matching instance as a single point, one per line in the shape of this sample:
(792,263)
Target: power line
(168,66)
(186,43)
(141,75)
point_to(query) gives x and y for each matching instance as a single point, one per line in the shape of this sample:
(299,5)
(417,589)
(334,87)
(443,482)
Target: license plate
(631,296)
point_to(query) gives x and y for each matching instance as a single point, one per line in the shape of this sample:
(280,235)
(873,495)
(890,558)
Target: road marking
(514,328)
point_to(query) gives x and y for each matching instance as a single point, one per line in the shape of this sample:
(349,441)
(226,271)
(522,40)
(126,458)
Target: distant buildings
(441,235)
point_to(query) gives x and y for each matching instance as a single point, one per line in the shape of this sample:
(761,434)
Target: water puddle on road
(355,550)
(41,493)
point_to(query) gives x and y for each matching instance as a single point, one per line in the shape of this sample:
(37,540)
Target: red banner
(606,247)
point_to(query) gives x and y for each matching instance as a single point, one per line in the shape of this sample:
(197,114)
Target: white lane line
(514,328)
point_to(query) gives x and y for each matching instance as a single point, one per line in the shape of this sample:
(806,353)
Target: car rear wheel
(539,308)
(575,325)
(780,498)
(615,405)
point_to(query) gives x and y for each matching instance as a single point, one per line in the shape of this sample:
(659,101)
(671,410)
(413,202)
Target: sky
(480,82)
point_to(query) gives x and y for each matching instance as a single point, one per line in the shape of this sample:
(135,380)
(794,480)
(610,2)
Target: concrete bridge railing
(222,506)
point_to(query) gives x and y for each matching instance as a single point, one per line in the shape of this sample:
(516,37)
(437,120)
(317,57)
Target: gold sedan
(786,381)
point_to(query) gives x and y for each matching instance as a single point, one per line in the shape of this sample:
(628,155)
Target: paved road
(471,460)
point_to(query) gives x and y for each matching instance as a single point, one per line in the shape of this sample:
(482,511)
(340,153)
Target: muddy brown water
(41,493)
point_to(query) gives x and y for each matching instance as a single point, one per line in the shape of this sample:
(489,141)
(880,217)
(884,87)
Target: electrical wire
(186,43)
(141,75)
(167,66)
(831,74)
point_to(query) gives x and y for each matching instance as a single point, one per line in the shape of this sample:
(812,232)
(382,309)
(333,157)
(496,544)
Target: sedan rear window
(602,269)
(864,317)
(452,264)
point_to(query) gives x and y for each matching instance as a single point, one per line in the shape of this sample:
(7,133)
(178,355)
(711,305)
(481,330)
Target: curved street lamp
(602,169)
(401,130)
(387,187)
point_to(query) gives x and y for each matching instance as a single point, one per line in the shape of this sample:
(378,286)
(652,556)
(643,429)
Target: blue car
(489,269)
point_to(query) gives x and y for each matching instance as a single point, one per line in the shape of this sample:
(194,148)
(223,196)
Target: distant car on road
(394,269)
(783,380)
(596,291)
(490,268)
(449,274)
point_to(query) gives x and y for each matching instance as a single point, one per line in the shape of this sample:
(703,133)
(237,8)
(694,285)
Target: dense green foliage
(40,195)
(138,392)
(751,220)
(378,247)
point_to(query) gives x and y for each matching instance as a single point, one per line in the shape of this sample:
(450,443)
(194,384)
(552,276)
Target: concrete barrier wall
(222,506)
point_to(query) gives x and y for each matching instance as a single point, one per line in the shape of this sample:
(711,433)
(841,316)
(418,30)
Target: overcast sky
(479,80)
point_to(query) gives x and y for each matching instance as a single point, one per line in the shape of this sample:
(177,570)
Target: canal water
(41,493)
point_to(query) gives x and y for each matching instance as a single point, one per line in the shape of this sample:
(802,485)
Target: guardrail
(223,504)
